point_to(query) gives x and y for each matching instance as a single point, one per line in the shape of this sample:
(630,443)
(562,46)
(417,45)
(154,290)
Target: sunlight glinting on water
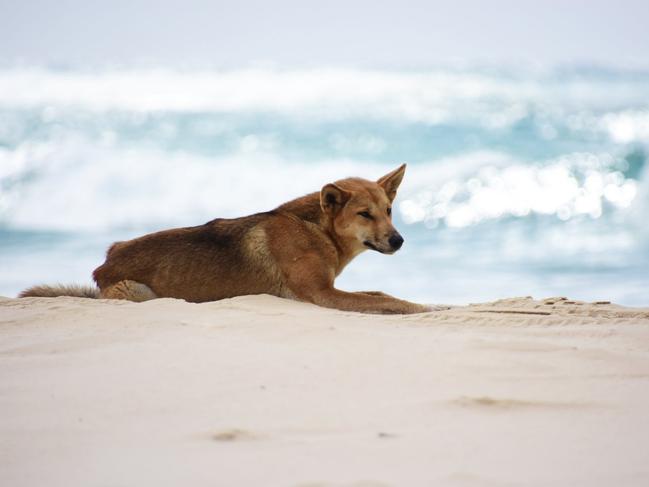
(572,186)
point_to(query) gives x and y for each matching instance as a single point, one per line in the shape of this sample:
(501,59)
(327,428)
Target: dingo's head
(361,211)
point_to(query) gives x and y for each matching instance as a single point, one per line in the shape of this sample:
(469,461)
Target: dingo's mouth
(370,245)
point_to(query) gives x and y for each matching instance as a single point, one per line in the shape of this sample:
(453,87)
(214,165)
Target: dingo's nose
(396,241)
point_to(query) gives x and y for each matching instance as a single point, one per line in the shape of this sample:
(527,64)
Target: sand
(260,391)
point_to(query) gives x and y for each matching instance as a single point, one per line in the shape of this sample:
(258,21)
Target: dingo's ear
(333,198)
(391,181)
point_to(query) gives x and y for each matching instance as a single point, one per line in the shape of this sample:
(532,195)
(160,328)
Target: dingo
(295,251)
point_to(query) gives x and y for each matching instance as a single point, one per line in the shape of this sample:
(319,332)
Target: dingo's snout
(395,241)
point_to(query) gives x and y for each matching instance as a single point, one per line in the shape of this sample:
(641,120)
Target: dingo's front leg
(366,303)
(309,279)
(374,293)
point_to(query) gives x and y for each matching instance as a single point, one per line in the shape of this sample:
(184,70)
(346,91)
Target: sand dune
(262,391)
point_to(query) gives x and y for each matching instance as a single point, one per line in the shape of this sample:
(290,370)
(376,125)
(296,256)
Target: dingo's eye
(366,214)
(389,211)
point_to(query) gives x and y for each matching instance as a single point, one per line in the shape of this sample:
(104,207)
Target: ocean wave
(79,184)
(84,150)
(572,185)
(627,125)
(489,99)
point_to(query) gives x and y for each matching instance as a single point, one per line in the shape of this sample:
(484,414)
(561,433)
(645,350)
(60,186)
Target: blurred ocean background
(524,178)
(518,182)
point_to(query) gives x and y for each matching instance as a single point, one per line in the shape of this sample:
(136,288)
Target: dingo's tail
(54,291)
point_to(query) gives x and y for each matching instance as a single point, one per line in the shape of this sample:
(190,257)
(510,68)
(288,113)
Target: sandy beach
(261,391)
